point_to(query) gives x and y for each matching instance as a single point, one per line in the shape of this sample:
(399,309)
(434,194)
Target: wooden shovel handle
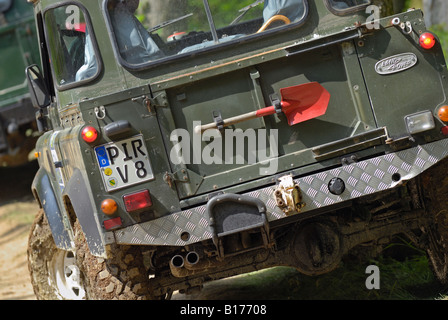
(227,122)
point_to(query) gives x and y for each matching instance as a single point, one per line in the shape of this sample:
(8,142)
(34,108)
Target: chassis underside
(315,243)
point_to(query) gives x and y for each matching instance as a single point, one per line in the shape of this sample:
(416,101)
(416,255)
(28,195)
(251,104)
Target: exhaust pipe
(191,260)
(192,264)
(177,262)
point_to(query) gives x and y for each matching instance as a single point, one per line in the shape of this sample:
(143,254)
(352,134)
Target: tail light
(112,223)
(427,40)
(445,131)
(109,206)
(443,113)
(137,201)
(89,134)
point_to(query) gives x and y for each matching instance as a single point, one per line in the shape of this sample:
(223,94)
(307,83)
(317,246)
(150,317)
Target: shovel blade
(304,102)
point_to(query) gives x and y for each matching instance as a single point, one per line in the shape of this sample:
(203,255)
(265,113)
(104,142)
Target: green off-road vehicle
(188,141)
(18,49)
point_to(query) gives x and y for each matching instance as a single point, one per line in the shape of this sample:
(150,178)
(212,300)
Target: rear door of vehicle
(244,86)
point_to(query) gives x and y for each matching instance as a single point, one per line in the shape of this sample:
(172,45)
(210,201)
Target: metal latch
(288,196)
(181,176)
(276,102)
(100,112)
(406,27)
(217,118)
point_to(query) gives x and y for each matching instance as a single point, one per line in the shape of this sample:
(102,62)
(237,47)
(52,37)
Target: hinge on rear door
(180,175)
(160,100)
(189,181)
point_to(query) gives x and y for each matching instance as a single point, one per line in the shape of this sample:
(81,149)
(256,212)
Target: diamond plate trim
(360,178)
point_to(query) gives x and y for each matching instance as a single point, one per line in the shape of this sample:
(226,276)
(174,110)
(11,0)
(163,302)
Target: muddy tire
(54,274)
(122,276)
(64,275)
(435,190)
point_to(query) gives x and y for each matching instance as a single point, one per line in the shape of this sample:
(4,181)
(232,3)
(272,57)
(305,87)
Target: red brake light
(445,130)
(137,201)
(427,40)
(89,134)
(112,223)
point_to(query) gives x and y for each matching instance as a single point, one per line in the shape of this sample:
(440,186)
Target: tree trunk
(157,11)
(436,12)
(389,7)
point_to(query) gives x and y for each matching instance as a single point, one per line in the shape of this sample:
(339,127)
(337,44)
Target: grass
(401,278)
(21,213)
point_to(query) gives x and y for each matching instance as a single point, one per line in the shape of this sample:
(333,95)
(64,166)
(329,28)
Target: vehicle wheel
(438,254)
(435,190)
(54,274)
(437,245)
(122,276)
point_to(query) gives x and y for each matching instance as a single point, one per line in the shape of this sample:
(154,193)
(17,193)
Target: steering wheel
(277,17)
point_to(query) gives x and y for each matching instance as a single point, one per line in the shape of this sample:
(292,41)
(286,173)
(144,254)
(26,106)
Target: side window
(70,42)
(342,5)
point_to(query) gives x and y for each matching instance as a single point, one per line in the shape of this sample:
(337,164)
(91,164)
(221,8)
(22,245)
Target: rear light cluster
(137,201)
(133,202)
(89,134)
(443,115)
(427,40)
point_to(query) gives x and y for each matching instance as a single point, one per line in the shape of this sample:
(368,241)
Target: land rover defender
(188,141)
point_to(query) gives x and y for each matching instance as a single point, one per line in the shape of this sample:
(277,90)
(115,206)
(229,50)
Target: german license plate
(124,163)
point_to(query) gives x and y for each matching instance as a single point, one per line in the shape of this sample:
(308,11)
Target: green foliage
(441,30)
(408,279)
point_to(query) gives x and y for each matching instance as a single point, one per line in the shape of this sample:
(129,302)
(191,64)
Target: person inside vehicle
(292,9)
(90,67)
(345,4)
(134,42)
(5,5)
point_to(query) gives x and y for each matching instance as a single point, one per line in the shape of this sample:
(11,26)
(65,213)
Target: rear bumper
(360,179)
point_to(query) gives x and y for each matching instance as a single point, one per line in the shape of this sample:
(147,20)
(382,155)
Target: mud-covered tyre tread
(435,189)
(41,249)
(122,276)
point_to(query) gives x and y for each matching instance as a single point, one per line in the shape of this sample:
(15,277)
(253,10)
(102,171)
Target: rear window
(150,30)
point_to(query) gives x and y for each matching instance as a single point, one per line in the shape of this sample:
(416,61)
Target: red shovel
(299,103)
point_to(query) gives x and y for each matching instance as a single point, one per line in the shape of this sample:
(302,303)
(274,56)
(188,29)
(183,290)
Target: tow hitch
(288,196)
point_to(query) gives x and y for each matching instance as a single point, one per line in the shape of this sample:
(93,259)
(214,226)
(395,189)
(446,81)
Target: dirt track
(17,209)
